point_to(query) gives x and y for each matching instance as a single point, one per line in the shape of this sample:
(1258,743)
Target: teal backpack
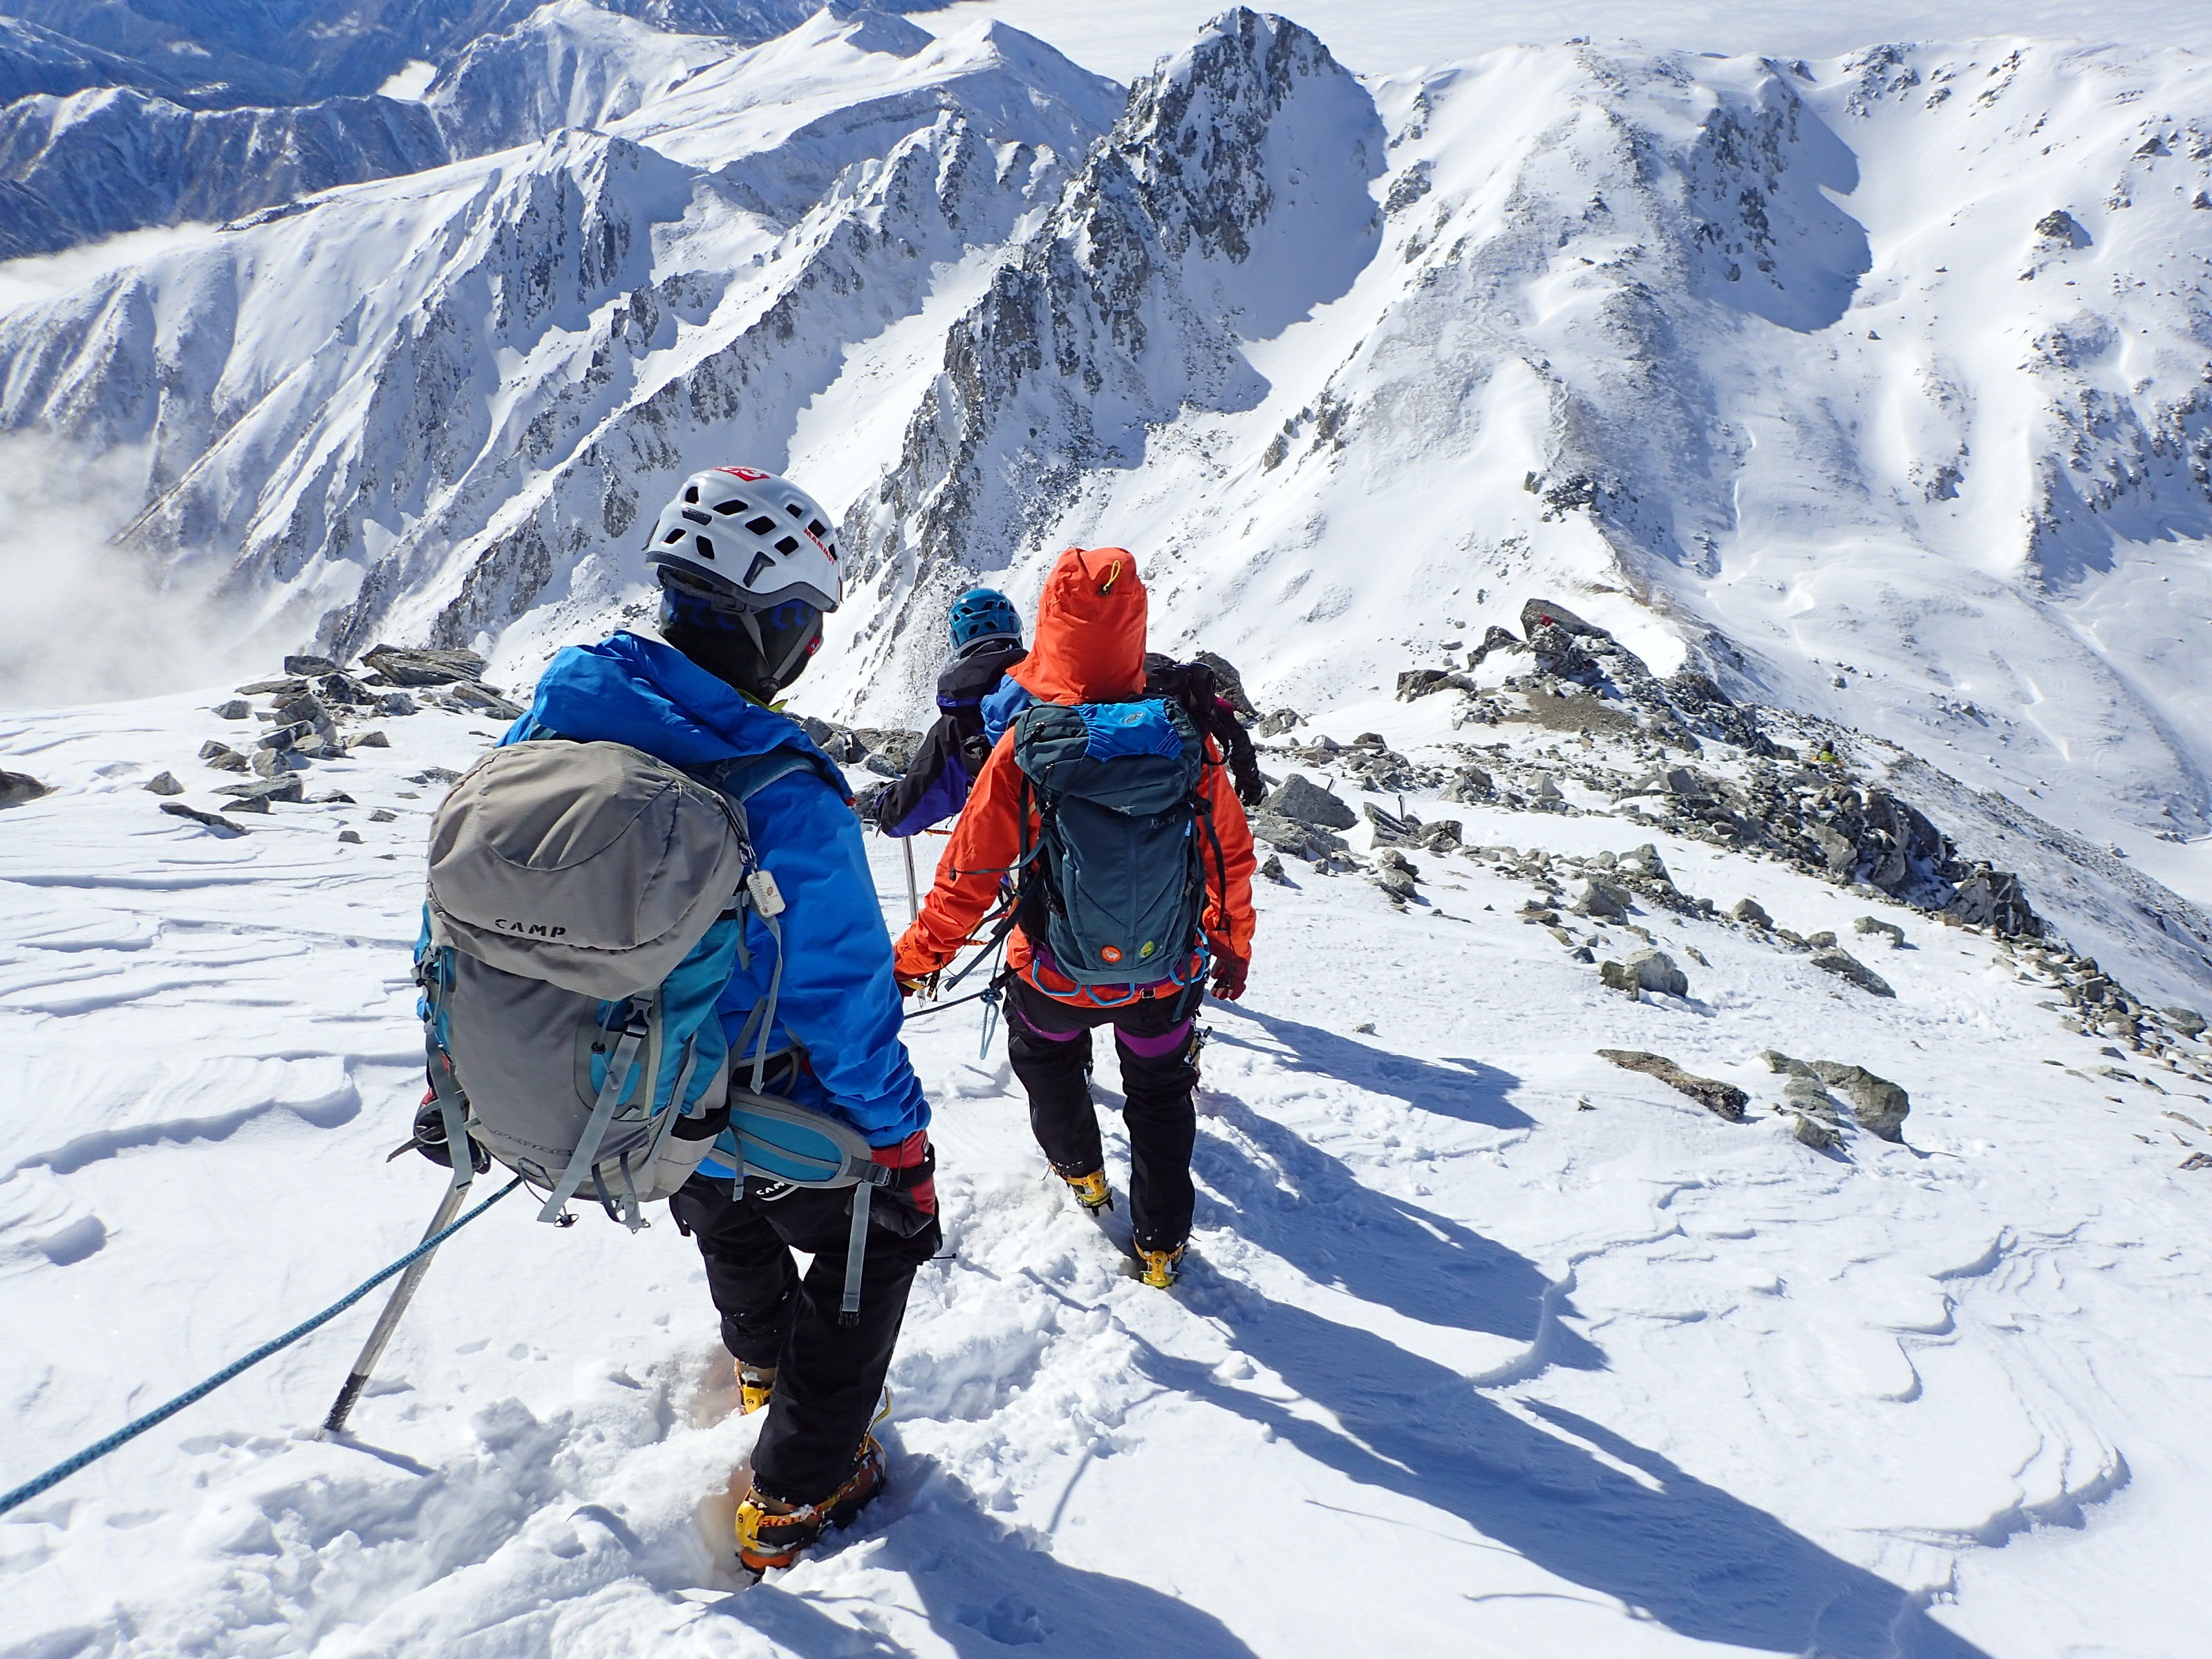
(1114,888)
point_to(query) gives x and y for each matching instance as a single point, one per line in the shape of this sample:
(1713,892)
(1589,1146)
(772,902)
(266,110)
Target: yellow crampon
(1160,1268)
(755,1384)
(772,1533)
(1090,1190)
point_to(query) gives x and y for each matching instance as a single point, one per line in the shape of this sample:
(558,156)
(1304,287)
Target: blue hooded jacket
(838,1000)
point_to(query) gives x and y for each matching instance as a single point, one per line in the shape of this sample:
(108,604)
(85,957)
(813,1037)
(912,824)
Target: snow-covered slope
(430,404)
(111,160)
(1871,386)
(1773,359)
(1490,1346)
(573,63)
(282,52)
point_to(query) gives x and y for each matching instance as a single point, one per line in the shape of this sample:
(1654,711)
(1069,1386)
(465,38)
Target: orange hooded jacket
(1089,647)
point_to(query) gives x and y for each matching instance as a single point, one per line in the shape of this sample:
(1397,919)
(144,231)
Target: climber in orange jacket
(1088,657)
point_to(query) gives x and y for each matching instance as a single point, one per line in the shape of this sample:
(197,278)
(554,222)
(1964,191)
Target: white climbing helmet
(742,540)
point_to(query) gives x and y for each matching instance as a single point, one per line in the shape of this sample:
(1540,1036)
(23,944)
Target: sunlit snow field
(1488,1347)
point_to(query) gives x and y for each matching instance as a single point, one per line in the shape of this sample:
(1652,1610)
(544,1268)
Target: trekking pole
(388,1321)
(912,894)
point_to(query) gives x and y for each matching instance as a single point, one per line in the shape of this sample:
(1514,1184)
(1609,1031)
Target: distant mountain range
(1873,386)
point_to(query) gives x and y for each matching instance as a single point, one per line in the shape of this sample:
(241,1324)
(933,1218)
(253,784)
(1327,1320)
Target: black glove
(430,1138)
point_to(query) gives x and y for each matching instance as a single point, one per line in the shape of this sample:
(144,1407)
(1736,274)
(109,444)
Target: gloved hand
(916,1160)
(1228,976)
(430,1138)
(913,964)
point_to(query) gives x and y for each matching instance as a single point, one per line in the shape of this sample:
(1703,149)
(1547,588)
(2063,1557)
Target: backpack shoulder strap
(746,775)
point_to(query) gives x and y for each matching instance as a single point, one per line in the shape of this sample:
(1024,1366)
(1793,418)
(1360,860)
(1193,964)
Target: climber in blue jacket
(748,566)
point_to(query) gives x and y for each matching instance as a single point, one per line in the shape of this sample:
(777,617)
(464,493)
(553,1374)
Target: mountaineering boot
(1159,1268)
(755,1384)
(772,1533)
(1090,1190)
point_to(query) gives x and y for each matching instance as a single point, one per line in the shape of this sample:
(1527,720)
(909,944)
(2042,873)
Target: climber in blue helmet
(987,640)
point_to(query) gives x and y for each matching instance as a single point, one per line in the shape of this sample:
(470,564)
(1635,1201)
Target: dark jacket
(944,768)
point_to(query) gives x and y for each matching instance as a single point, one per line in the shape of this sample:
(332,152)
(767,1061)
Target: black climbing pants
(1157,1038)
(828,1376)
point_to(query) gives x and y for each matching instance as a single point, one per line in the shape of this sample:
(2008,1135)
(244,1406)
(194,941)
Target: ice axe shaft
(394,1308)
(912,893)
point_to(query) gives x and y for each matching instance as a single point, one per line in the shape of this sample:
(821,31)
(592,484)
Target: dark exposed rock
(384,815)
(343,689)
(1995,899)
(350,837)
(1274,725)
(163,783)
(309,666)
(896,747)
(232,709)
(1418,682)
(370,740)
(287,789)
(436,774)
(1603,900)
(225,759)
(1646,970)
(1228,682)
(1495,639)
(17,787)
(467,697)
(1548,613)
(290,686)
(1879,1105)
(1844,965)
(1271,867)
(404,667)
(394,704)
(1309,802)
(2187,1021)
(2060,226)
(1721,1099)
(1871,926)
(214,821)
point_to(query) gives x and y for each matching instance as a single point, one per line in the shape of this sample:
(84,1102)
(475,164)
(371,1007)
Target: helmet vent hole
(762,526)
(787,544)
(675,535)
(761,561)
(794,509)
(706,547)
(691,493)
(816,529)
(729,508)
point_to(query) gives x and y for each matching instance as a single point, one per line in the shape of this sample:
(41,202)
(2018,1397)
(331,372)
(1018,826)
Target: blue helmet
(983,613)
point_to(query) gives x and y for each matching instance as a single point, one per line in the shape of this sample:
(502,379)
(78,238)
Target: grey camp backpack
(587,905)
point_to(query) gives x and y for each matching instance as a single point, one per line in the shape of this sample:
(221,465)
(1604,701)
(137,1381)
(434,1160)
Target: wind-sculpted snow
(1486,1345)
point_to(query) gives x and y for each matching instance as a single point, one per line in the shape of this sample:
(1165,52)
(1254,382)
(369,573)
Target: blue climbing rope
(131,1430)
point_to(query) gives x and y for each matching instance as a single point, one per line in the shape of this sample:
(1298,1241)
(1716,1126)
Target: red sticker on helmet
(744,472)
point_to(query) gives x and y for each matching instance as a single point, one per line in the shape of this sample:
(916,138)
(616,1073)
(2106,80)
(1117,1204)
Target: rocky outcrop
(1723,1100)
(17,787)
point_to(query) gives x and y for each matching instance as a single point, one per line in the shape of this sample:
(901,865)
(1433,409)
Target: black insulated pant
(1050,1043)
(828,1376)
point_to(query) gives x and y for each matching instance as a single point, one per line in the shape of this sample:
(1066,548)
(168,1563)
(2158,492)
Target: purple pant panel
(1151,1047)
